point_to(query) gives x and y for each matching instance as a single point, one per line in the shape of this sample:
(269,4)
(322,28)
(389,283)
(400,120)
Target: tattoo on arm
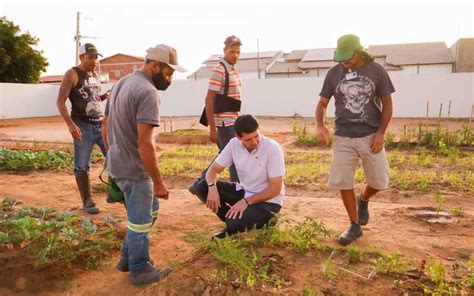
(66,85)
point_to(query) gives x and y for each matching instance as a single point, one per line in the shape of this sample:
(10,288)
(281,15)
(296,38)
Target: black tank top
(85,98)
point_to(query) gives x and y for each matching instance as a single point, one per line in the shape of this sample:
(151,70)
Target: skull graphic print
(356,94)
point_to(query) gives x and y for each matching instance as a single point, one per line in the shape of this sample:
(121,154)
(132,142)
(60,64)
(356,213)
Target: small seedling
(458,212)
(353,255)
(439,200)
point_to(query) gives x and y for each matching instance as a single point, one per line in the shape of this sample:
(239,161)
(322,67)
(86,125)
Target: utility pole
(78,36)
(258,58)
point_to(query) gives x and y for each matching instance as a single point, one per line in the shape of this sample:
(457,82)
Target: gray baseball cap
(165,54)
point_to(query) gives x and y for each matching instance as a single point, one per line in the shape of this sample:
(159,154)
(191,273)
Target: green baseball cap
(347,45)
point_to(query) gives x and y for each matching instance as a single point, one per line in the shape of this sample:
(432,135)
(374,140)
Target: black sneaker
(149,275)
(91,209)
(350,235)
(193,189)
(122,265)
(220,235)
(363,210)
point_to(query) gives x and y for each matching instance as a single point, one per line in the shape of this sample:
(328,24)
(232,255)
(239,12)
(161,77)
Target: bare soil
(394,226)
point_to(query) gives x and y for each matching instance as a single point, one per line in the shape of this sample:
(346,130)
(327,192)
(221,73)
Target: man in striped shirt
(221,125)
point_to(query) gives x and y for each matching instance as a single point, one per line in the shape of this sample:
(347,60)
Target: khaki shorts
(345,159)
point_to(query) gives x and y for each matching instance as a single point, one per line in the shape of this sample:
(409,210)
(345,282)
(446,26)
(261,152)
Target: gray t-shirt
(357,95)
(134,99)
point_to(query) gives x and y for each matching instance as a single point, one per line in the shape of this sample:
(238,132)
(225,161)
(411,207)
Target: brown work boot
(84,185)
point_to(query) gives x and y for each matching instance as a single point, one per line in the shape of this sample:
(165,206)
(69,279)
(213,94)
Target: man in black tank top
(82,86)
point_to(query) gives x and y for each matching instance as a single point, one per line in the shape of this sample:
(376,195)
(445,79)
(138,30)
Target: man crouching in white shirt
(260,165)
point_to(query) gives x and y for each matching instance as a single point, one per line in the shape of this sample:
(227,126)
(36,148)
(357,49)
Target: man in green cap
(362,91)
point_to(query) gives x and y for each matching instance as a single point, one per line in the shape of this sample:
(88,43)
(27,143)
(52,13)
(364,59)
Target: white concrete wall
(250,75)
(277,97)
(284,75)
(18,100)
(316,73)
(309,73)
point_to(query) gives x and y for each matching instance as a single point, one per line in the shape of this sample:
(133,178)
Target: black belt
(86,119)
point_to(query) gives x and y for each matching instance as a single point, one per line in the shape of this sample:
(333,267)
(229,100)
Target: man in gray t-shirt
(132,113)
(362,91)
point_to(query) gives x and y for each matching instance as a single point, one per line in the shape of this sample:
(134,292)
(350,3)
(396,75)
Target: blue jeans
(91,135)
(142,210)
(224,135)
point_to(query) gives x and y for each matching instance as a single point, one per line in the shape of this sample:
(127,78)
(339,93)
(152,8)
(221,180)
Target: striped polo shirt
(217,84)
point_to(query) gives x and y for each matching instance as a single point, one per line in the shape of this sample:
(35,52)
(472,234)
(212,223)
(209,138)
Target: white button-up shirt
(256,167)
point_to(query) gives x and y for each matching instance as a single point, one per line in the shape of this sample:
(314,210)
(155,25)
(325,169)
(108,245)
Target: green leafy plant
(307,291)
(31,160)
(53,237)
(391,263)
(246,263)
(303,138)
(436,273)
(458,212)
(353,255)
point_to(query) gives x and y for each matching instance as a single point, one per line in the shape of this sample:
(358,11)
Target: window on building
(117,73)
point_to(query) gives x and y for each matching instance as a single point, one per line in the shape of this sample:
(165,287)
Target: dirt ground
(393,227)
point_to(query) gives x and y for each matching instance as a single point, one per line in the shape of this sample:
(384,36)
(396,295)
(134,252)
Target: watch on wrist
(211,184)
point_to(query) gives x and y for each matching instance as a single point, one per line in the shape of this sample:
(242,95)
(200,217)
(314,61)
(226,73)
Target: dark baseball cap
(88,48)
(232,40)
(347,45)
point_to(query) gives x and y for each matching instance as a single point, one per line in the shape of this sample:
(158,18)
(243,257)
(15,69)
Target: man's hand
(323,135)
(213,199)
(213,135)
(105,95)
(75,131)
(377,142)
(160,190)
(237,210)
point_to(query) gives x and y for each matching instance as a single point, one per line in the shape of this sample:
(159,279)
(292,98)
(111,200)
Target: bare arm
(210,99)
(212,175)
(320,113)
(104,132)
(377,142)
(273,189)
(321,130)
(146,150)
(213,172)
(387,112)
(69,82)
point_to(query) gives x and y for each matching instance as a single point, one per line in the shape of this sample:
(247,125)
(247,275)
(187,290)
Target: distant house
(109,69)
(303,63)
(119,65)
(251,65)
(463,53)
(317,62)
(287,65)
(51,79)
(414,58)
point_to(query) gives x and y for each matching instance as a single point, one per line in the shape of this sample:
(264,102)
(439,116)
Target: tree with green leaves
(20,62)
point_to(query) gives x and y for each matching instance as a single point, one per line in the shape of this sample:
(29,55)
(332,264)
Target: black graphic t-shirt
(85,98)
(358,97)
